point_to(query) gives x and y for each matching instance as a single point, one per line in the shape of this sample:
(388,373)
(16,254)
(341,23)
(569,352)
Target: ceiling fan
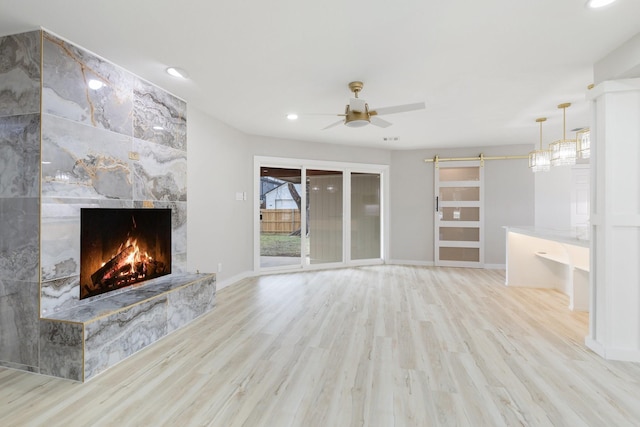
(358,114)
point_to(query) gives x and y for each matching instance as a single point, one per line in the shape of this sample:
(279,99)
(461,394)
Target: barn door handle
(437,204)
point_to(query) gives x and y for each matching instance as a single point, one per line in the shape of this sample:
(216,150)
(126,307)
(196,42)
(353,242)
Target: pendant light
(563,151)
(583,138)
(540,160)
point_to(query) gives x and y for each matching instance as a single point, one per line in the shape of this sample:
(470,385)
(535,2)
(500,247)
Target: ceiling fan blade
(398,108)
(333,124)
(375,120)
(357,105)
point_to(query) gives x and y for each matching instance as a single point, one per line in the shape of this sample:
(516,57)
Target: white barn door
(459,216)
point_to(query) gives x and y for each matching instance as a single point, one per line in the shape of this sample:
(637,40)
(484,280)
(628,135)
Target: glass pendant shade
(540,160)
(563,151)
(583,138)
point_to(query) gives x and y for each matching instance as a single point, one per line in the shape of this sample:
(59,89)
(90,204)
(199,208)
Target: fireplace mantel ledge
(107,305)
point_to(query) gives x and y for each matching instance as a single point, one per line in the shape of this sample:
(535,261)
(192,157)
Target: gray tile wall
(88,136)
(81,140)
(19,199)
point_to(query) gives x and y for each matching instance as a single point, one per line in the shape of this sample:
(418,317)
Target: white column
(614,330)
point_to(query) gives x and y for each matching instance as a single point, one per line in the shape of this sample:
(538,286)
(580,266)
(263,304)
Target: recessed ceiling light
(292,116)
(95,84)
(594,4)
(177,72)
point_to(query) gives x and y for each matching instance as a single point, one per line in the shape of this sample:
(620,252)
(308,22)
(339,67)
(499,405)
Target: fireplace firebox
(120,247)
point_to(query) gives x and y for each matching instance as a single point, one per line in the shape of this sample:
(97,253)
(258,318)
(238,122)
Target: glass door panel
(365,216)
(448,194)
(460,234)
(459,174)
(459,214)
(280,220)
(459,254)
(324,216)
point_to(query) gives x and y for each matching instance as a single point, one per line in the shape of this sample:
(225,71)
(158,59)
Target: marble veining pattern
(121,323)
(69,73)
(84,162)
(20,74)
(159,116)
(19,155)
(88,140)
(161,173)
(60,247)
(59,295)
(19,321)
(19,238)
(60,241)
(115,301)
(111,339)
(19,366)
(61,349)
(188,303)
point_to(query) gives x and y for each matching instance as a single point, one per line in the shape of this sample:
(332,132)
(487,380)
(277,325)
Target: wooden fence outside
(279,221)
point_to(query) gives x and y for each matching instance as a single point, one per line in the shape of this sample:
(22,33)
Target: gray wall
(221,164)
(509,200)
(219,227)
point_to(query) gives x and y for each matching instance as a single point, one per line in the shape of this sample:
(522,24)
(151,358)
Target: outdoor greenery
(279,245)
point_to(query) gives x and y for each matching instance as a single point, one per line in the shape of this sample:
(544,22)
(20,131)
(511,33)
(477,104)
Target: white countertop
(578,236)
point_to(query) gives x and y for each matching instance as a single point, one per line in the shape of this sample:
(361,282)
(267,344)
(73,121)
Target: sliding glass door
(365,216)
(335,217)
(325,219)
(280,217)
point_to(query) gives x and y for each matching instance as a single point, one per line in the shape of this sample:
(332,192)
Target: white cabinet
(543,258)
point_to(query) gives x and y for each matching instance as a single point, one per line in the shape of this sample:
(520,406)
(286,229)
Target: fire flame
(132,266)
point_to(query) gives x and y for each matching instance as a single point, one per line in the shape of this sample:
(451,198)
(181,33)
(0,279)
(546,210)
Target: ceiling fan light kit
(357,113)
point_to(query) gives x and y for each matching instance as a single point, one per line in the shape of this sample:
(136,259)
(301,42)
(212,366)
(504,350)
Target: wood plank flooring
(369,346)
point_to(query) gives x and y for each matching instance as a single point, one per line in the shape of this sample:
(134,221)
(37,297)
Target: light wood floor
(372,346)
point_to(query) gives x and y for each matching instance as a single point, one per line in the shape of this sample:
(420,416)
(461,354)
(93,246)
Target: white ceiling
(485,69)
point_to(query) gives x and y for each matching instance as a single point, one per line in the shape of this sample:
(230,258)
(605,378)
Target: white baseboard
(495,266)
(246,274)
(620,354)
(431,264)
(410,262)
(233,280)
(594,346)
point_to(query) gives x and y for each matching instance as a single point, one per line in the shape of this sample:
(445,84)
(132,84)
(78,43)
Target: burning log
(113,266)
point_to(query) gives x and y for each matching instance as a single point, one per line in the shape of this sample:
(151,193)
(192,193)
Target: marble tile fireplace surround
(78,132)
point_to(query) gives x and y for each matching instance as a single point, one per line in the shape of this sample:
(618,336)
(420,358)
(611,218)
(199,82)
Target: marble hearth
(85,340)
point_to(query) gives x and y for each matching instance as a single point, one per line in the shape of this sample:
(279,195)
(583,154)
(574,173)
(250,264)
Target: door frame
(440,204)
(346,168)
